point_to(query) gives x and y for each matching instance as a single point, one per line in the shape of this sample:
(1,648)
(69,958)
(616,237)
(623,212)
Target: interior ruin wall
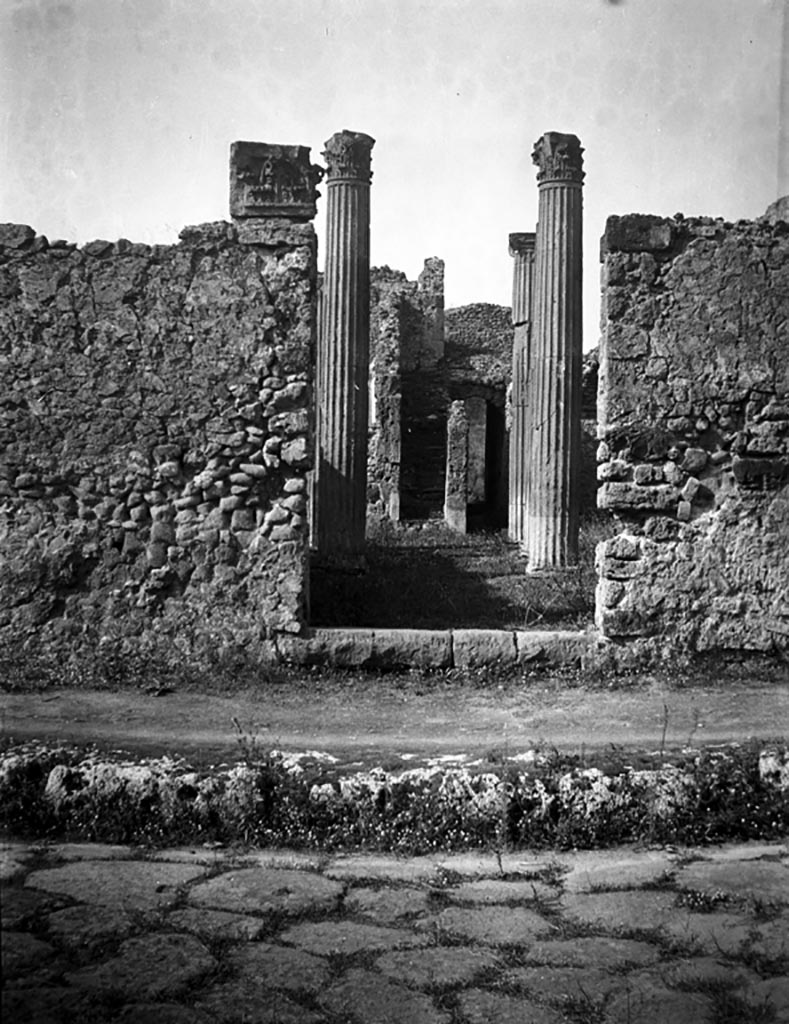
(155,435)
(694,432)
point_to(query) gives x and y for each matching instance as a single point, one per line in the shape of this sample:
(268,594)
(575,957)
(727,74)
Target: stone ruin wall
(408,392)
(694,432)
(155,430)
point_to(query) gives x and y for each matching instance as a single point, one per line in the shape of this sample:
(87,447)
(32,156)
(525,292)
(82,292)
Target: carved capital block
(522,243)
(267,180)
(347,156)
(558,158)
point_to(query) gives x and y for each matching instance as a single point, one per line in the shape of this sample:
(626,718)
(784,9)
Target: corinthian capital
(347,155)
(558,158)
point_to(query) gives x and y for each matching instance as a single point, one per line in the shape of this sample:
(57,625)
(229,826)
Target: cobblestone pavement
(103,933)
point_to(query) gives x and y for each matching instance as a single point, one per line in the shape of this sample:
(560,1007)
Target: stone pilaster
(554,405)
(343,358)
(522,249)
(456,489)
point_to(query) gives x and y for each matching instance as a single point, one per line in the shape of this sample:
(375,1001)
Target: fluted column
(343,359)
(522,249)
(554,403)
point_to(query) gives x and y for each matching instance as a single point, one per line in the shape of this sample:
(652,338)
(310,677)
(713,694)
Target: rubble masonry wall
(155,433)
(694,432)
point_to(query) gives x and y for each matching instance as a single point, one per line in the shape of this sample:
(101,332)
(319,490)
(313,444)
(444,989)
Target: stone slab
(474,648)
(775,991)
(621,911)
(614,869)
(345,938)
(598,951)
(708,971)
(500,890)
(148,968)
(559,984)
(69,852)
(441,967)
(282,967)
(367,998)
(138,885)
(659,1006)
(387,905)
(267,891)
(552,645)
(161,1013)
(380,867)
(84,925)
(216,924)
(21,952)
(710,933)
(44,1004)
(492,926)
(480,1007)
(412,648)
(250,1000)
(21,906)
(763,879)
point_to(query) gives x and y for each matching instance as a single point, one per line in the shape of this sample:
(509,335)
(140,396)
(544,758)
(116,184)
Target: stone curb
(436,649)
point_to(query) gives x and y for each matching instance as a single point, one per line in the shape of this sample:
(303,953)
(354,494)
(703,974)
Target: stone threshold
(355,647)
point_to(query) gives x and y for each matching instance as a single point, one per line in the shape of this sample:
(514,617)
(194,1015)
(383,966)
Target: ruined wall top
(558,158)
(347,156)
(268,180)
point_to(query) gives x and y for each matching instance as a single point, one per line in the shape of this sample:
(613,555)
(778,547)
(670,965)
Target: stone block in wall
(620,496)
(637,232)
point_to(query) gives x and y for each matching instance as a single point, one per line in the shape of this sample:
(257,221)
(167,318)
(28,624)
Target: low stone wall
(694,432)
(155,430)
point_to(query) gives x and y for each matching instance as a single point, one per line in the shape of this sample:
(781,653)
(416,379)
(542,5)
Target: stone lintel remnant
(522,249)
(268,180)
(553,414)
(343,358)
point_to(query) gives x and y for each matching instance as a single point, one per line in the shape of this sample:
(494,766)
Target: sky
(116,116)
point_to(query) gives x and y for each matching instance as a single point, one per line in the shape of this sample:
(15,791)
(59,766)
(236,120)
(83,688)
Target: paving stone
(439,967)
(712,933)
(479,1007)
(493,926)
(765,879)
(281,967)
(148,968)
(387,868)
(42,1004)
(293,859)
(89,851)
(11,869)
(347,937)
(775,991)
(499,890)
(593,952)
(21,952)
(138,885)
(621,911)
(20,906)
(739,851)
(85,926)
(387,905)
(714,970)
(557,984)
(659,1006)
(267,891)
(161,1013)
(367,998)
(208,857)
(611,869)
(488,864)
(217,924)
(250,1000)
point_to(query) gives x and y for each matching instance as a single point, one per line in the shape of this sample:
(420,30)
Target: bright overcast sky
(117,115)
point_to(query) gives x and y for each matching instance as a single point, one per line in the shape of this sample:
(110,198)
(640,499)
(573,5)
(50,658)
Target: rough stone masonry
(694,431)
(155,424)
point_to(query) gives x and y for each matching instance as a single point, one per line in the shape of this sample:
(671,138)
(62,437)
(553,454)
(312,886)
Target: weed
(731,1008)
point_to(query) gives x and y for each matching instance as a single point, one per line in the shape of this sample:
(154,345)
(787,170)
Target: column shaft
(522,248)
(554,404)
(340,488)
